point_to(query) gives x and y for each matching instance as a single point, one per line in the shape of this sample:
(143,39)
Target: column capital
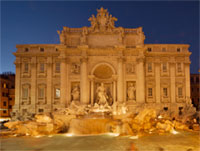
(121,59)
(63,59)
(120,47)
(17,64)
(84,59)
(187,63)
(114,77)
(49,61)
(91,77)
(33,64)
(172,62)
(140,59)
(83,47)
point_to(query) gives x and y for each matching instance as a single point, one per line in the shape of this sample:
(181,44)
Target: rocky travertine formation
(147,121)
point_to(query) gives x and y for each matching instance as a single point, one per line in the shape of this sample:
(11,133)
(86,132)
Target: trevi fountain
(103,89)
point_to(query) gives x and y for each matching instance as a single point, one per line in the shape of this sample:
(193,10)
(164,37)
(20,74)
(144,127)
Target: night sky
(38,22)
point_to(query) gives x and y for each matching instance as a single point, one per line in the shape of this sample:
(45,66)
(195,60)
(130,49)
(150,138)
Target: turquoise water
(183,141)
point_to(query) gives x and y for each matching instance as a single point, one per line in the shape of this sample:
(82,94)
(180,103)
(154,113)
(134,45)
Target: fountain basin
(92,126)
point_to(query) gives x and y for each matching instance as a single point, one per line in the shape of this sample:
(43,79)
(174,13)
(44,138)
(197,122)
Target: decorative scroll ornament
(103,22)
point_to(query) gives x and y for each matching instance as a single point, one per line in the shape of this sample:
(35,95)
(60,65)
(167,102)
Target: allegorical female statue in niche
(75,93)
(101,95)
(131,92)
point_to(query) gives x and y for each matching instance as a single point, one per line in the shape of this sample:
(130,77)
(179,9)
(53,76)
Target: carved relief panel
(75,68)
(130,68)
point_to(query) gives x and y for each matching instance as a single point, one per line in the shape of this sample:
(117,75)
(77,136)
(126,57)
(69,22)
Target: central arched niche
(103,71)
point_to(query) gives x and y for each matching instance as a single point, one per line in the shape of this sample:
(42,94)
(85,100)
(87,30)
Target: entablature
(179,48)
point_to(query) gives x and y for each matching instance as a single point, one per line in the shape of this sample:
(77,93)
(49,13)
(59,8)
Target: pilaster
(187,79)
(33,84)
(114,78)
(49,82)
(157,78)
(172,82)
(17,84)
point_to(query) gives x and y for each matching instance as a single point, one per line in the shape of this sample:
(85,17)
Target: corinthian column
(120,86)
(140,90)
(91,77)
(114,87)
(84,81)
(63,80)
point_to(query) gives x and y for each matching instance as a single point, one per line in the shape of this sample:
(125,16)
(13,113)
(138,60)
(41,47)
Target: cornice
(165,54)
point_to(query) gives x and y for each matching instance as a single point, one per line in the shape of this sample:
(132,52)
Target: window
(4,85)
(10,106)
(25,92)
(197,80)
(4,111)
(149,49)
(180,110)
(180,92)
(40,110)
(192,80)
(197,89)
(150,92)
(41,92)
(149,67)
(165,93)
(165,108)
(42,67)
(26,50)
(26,67)
(163,49)
(193,101)
(57,67)
(179,67)
(164,67)
(57,93)
(4,103)
(24,110)
(41,49)
(178,49)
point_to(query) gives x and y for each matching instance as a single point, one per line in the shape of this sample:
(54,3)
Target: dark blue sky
(37,23)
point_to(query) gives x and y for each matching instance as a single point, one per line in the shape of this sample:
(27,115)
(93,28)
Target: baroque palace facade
(51,76)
